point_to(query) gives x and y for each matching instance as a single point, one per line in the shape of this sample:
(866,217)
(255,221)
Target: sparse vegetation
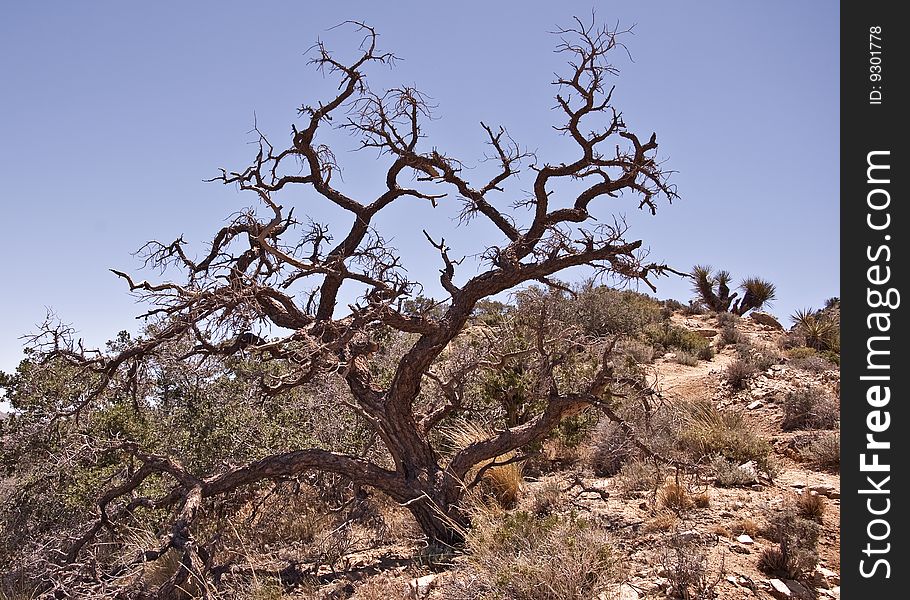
(549,558)
(709,432)
(739,373)
(824,451)
(809,407)
(691,574)
(795,556)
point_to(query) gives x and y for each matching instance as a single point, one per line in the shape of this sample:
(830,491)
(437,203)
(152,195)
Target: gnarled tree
(268,273)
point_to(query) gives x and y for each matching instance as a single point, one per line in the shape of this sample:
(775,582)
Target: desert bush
(809,407)
(706,353)
(601,310)
(797,538)
(730,336)
(764,357)
(552,558)
(708,432)
(669,336)
(814,363)
(686,563)
(640,352)
(728,473)
(824,451)
(702,499)
(726,319)
(611,448)
(673,304)
(638,475)
(739,372)
(693,308)
(546,499)
(684,358)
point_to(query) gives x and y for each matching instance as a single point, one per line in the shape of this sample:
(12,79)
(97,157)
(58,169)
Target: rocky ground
(729,527)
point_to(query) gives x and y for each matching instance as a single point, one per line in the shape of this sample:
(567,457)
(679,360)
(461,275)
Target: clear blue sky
(114,112)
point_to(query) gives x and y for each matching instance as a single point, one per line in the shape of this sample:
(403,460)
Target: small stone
(829,575)
(740,549)
(780,589)
(745,539)
(754,405)
(726,515)
(670,355)
(421,586)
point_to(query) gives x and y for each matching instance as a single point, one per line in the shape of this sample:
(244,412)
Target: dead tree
(261,270)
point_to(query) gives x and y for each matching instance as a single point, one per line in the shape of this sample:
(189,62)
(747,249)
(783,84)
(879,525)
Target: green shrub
(672,336)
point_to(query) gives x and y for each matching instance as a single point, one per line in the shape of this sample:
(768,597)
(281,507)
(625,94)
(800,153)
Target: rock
(825,490)
(740,549)
(745,539)
(749,469)
(421,586)
(763,318)
(799,591)
(754,405)
(779,589)
(626,592)
(829,575)
(670,355)
(706,333)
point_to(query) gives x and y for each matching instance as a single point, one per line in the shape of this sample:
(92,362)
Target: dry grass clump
(824,451)
(702,499)
(503,482)
(662,521)
(731,336)
(675,497)
(523,557)
(708,431)
(640,352)
(745,526)
(638,475)
(809,360)
(739,372)
(810,506)
(384,586)
(809,407)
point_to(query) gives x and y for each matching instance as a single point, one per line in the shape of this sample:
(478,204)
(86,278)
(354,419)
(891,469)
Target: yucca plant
(713,289)
(819,332)
(756,294)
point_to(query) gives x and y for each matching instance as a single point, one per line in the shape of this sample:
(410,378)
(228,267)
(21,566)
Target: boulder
(763,318)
